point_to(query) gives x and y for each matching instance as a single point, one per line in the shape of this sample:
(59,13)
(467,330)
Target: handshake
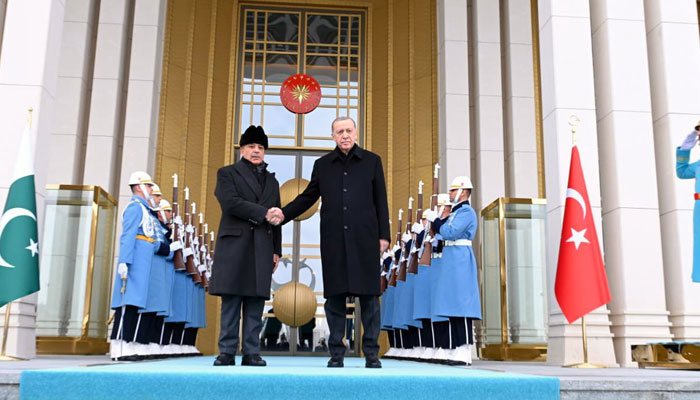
(274,216)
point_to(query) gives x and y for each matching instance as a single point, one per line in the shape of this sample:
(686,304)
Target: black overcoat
(354,216)
(243,258)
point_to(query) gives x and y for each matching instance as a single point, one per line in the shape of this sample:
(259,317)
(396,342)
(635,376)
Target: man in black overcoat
(248,247)
(354,232)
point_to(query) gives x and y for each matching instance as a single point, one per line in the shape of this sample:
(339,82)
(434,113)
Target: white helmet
(164,205)
(140,178)
(156,190)
(443,199)
(461,182)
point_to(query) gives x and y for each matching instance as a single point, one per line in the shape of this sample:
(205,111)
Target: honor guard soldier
(458,297)
(137,246)
(440,327)
(686,170)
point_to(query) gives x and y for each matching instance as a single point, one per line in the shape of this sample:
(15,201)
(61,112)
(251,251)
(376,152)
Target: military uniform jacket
(246,241)
(354,216)
(687,170)
(137,246)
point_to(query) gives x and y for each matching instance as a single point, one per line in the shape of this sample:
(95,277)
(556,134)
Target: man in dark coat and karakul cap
(248,247)
(354,232)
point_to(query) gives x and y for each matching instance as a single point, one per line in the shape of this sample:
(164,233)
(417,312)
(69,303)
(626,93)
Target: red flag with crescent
(581,284)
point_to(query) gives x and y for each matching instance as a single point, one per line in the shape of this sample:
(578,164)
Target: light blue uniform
(389,297)
(433,275)
(686,170)
(406,310)
(158,300)
(137,254)
(457,292)
(399,297)
(421,290)
(169,280)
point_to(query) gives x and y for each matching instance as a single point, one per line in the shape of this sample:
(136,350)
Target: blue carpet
(285,378)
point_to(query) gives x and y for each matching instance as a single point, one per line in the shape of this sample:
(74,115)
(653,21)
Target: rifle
(406,248)
(383,280)
(178,260)
(189,257)
(413,256)
(202,256)
(427,255)
(397,260)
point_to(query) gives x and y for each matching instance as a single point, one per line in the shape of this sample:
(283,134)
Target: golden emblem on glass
(290,190)
(300,94)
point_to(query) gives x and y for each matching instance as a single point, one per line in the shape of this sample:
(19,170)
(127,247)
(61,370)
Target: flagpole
(5,329)
(574,121)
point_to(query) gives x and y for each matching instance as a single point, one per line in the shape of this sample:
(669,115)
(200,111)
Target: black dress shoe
(225,359)
(253,360)
(336,362)
(372,362)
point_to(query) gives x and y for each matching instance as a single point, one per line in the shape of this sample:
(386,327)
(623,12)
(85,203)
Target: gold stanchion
(585,363)
(5,329)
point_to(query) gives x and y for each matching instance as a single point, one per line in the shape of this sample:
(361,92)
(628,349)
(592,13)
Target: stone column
(28,73)
(453,90)
(629,195)
(518,100)
(109,86)
(489,177)
(674,62)
(69,126)
(567,88)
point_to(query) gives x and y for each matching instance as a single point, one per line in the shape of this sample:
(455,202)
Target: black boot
(225,359)
(253,360)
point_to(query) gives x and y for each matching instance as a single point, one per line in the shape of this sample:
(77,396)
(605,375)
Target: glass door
(328,45)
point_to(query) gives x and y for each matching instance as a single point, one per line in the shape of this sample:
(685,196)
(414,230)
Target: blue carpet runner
(285,378)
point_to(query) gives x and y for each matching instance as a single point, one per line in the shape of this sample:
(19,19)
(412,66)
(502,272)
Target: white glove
(175,246)
(177,220)
(122,270)
(186,252)
(208,275)
(395,248)
(405,237)
(430,215)
(417,228)
(202,268)
(690,141)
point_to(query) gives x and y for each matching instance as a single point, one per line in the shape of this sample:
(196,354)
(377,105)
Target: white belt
(458,242)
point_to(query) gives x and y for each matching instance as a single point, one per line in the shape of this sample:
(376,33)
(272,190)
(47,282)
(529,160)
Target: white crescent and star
(577,237)
(8,216)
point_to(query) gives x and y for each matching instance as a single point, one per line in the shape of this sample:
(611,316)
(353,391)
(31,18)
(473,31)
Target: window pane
(282,27)
(322,29)
(323,68)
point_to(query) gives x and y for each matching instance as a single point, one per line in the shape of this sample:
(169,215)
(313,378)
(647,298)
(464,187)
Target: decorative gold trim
(182,170)
(502,263)
(91,265)
(232,82)
(99,189)
(63,345)
(207,110)
(514,352)
(390,103)
(512,200)
(537,77)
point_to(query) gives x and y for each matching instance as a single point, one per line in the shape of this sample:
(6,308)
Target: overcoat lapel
(249,178)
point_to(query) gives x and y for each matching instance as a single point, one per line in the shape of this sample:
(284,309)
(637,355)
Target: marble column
(567,88)
(453,90)
(674,61)
(489,177)
(629,195)
(28,73)
(69,126)
(519,125)
(109,88)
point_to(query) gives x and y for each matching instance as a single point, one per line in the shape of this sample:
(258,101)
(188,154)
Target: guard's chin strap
(459,194)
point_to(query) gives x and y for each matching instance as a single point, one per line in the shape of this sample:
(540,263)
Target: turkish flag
(581,285)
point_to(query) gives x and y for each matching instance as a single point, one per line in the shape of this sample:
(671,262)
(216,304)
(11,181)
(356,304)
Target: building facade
(484,88)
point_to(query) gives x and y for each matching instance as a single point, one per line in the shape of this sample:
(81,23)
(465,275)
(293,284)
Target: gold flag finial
(574,122)
(29,116)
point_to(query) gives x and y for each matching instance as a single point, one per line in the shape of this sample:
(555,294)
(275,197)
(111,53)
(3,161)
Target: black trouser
(190,337)
(158,330)
(127,323)
(178,333)
(230,320)
(390,334)
(144,327)
(336,315)
(426,333)
(453,333)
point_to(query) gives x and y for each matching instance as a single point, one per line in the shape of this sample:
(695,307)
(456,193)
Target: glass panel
(322,29)
(282,27)
(260,28)
(526,279)
(249,25)
(491,276)
(65,259)
(323,68)
(279,67)
(279,121)
(318,122)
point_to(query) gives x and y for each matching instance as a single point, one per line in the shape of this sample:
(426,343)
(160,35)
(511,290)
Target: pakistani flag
(19,250)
